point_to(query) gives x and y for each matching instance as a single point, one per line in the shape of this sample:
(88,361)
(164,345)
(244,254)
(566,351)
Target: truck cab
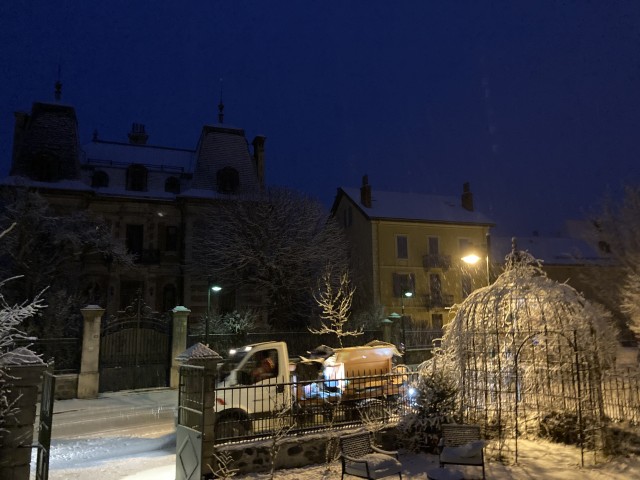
(262,369)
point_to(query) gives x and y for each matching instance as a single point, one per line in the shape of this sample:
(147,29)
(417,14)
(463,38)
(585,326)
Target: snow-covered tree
(11,318)
(46,250)
(618,234)
(525,348)
(334,296)
(274,246)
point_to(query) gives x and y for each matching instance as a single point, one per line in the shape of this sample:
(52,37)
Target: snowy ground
(153,458)
(130,435)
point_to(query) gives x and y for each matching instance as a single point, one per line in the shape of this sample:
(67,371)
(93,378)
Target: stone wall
(296,452)
(66,386)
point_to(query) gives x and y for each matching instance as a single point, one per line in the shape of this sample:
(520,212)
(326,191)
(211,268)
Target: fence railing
(66,353)
(424,339)
(621,396)
(298,343)
(264,410)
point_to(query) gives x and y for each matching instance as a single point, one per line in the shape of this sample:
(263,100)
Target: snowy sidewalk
(113,410)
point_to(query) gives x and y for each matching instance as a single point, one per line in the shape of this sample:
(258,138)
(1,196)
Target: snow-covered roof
(416,207)
(551,250)
(20,181)
(113,153)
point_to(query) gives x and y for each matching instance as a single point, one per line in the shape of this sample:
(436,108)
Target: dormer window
(137,178)
(172,185)
(100,179)
(228,180)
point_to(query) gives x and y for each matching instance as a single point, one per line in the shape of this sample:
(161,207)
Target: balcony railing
(437,260)
(442,300)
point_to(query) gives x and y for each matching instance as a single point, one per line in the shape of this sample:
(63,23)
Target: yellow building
(413,243)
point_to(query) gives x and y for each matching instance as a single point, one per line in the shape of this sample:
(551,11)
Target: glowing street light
(407,294)
(472,259)
(214,289)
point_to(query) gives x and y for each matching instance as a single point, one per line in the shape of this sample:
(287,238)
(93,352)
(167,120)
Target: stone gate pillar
(180,316)
(89,378)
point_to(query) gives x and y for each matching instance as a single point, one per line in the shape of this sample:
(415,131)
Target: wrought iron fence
(66,353)
(245,413)
(423,339)
(621,396)
(298,343)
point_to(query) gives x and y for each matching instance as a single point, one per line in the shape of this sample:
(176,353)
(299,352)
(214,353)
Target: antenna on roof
(58,91)
(220,106)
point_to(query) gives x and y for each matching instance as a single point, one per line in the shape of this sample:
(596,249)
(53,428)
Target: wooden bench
(363,459)
(461,445)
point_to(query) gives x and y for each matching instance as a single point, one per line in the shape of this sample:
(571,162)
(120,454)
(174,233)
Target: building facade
(149,196)
(413,243)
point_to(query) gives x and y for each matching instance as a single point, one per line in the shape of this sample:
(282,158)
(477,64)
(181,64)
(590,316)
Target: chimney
(365,192)
(467,197)
(138,136)
(258,157)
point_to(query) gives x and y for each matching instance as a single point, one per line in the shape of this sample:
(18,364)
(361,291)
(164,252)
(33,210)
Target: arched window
(228,180)
(100,179)
(137,178)
(172,185)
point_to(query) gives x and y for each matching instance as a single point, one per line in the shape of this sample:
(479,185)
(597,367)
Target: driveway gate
(135,349)
(190,427)
(44,426)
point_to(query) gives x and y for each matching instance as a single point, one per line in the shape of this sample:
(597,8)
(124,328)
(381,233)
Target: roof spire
(220,106)
(58,85)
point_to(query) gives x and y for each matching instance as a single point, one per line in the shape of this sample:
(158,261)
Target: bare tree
(273,246)
(46,249)
(618,234)
(334,299)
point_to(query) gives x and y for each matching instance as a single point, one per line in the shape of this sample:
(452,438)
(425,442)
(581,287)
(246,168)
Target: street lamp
(214,289)
(472,259)
(407,294)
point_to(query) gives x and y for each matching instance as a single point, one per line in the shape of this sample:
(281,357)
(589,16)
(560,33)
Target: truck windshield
(230,364)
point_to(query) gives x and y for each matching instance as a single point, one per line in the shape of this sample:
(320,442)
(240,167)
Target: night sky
(536,104)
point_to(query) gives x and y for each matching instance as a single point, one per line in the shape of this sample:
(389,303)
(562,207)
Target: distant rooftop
(416,207)
(551,250)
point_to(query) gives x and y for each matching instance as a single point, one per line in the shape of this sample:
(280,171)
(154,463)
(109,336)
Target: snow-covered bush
(434,405)
(11,319)
(527,348)
(231,323)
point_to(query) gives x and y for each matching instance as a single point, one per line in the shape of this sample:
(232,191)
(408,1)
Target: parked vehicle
(258,385)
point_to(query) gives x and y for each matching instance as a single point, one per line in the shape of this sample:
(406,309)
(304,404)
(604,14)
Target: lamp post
(214,289)
(472,259)
(406,294)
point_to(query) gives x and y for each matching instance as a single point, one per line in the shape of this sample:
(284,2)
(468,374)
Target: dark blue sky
(536,104)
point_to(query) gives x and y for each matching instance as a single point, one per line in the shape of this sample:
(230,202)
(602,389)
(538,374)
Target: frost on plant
(231,323)
(11,319)
(526,348)
(334,299)
(433,404)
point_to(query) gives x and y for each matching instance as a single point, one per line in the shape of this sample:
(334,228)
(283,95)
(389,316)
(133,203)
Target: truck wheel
(230,427)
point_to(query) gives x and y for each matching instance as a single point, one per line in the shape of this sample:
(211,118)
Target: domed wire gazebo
(529,352)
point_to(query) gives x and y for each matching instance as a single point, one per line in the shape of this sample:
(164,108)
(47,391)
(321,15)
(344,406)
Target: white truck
(258,385)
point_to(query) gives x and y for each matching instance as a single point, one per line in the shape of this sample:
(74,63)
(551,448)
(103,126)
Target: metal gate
(44,425)
(135,349)
(190,427)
